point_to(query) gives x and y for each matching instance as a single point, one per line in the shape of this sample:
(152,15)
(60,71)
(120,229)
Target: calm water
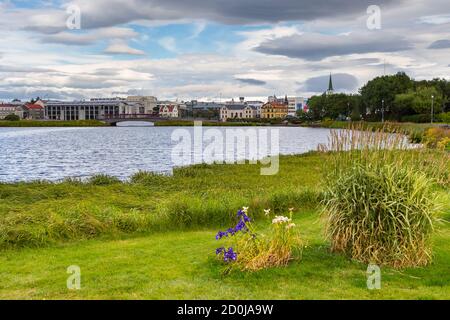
(56,153)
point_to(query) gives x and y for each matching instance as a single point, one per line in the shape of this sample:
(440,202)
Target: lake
(56,153)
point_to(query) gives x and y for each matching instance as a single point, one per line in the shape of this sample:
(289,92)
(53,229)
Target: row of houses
(103,108)
(272,109)
(95,108)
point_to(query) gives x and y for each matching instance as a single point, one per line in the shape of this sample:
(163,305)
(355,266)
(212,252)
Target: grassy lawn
(153,238)
(180,265)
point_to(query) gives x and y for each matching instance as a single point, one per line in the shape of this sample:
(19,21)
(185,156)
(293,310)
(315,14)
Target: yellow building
(272,110)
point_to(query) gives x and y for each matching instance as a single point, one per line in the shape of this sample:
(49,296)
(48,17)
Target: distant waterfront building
(295,104)
(169,111)
(274,109)
(149,103)
(10,108)
(200,105)
(237,111)
(257,105)
(83,110)
(33,111)
(130,108)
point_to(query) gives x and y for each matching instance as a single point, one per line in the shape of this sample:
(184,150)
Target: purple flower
(240,226)
(229,255)
(221,234)
(220,250)
(242,214)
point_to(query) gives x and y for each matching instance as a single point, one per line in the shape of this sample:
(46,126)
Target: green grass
(153,238)
(181,265)
(41,123)
(40,213)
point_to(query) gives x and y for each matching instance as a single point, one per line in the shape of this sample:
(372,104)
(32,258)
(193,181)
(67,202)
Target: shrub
(445,117)
(379,204)
(417,118)
(12,117)
(251,251)
(434,137)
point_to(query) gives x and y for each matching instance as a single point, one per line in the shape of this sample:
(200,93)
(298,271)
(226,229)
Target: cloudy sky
(206,49)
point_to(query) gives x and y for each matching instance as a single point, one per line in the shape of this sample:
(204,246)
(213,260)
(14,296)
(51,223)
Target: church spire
(330,85)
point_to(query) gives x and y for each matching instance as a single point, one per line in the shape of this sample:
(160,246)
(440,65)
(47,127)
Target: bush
(417,118)
(12,117)
(437,137)
(379,204)
(445,117)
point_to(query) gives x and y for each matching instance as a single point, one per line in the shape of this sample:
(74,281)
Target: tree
(12,117)
(423,100)
(443,88)
(304,116)
(385,88)
(403,104)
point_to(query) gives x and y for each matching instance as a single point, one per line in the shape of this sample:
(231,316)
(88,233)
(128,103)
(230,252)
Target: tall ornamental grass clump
(379,205)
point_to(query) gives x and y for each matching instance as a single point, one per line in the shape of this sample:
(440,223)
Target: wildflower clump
(252,251)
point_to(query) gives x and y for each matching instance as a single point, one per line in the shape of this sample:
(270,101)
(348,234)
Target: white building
(295,104)
(257,105)
(82,110)
(8,108)
(136,108)
(237,111)
(148,102)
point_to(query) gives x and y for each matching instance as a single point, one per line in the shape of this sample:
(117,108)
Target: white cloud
(89,37)
(168,43)
(121,47)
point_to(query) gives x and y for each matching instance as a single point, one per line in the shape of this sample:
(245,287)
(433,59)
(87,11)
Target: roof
(168,107)
(8,105)
(238,107)
(275,105)
(85,103)
(33,106)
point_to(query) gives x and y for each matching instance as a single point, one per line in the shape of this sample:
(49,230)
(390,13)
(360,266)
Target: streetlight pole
(382,111)
(432,108)
(348,109)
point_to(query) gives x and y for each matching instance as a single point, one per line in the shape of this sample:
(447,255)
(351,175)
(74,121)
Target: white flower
(290,225)
(245,209)
(291,209)
(280,219)
(266,212)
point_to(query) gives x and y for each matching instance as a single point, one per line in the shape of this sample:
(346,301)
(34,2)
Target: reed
(379,204)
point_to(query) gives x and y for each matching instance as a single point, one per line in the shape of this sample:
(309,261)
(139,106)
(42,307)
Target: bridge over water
(114,119)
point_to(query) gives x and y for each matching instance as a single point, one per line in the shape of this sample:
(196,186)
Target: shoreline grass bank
(38,123)
(153,238)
